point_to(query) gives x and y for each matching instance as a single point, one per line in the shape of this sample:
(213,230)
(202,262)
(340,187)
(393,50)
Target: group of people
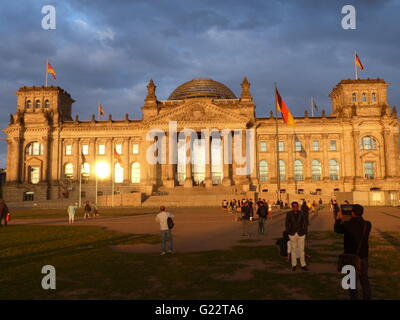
(87,210)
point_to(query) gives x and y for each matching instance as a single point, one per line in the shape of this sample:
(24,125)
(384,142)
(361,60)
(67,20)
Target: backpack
(263,212)
(170,223)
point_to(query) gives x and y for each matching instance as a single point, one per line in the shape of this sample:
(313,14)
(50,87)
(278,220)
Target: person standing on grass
(245,218)
(166,233)
(86,210)
(71,212)
(3,213)
(356,234)
(296,226)
(262,213)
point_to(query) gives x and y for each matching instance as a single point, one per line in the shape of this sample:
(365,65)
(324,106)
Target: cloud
(106,52)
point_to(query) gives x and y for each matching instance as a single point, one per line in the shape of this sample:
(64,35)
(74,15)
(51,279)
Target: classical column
(325,160)
(255,171)
(189,180)
(388,155)
(308,160)
(290,164)
(246,178)
(125,158)
(46,159)
(208,180)
(357,159)
(15,156)
(226,145)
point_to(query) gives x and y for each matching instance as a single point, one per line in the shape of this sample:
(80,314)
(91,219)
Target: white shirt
(162,218)
(72,209)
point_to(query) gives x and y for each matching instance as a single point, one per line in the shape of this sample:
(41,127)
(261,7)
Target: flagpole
(80,186)
(278,173)
(112,176)
(46,73)
(355,65)
(98,112)
(312,108)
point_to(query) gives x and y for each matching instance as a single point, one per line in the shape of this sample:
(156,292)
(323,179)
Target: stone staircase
(194,197)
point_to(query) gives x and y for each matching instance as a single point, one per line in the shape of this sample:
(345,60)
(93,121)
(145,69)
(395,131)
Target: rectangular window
(85,149)
(34,174)
(118,148)
(369,170)
(28,196)
(297,146)
(315,145)
(135,148)
(333,145)
(263,146)
(68,150)
(281,146)
(102,149)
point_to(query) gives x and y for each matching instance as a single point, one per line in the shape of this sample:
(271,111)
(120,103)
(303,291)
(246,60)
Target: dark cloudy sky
(106,51)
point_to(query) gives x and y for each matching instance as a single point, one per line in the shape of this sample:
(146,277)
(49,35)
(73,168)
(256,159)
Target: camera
(346,209)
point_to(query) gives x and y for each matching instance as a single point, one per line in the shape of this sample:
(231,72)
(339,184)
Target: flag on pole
(83,157)
(358,62)
(101,110)
(51,70)
(281,106)
(118,156)
(314,105)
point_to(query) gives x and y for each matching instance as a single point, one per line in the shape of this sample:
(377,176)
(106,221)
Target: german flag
(358,62)
(51,70)
(101,110)
(117,156)
(83,157)
(281,106)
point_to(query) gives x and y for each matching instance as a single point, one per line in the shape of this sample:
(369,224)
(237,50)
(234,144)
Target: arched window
(118,173)
(368,143)
(85,169)
(333,170)
(68,170)
(37,104)
(263,170)
(282,170)
(47,104)
(34,149)
(373,96)
(363,97)
(135,172)
(316,170)
(298,170)
(354,97)
(29,104)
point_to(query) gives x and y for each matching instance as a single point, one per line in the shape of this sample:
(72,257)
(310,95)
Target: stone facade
(355,148)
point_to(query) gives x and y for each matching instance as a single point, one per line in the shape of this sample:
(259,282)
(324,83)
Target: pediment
(199,112)
(369,154)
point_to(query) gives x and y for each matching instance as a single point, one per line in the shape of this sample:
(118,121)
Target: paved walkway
(203,229)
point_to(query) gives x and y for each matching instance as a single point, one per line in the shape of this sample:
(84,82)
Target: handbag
(170,223)
(352,259)
(8,217)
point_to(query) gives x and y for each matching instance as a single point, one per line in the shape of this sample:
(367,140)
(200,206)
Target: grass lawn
(88,268)
(32,213)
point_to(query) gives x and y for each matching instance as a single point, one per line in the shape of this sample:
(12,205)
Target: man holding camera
(356,232)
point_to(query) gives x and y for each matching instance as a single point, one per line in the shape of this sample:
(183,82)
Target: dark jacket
(296,222)
(262,211)
(3,209)
(245,213)
(353,232)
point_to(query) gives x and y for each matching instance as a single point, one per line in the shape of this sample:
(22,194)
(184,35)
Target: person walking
(356,233)
(336,209)
(86,210)
(245,218)
(95,210)
(4,211)
(71,212)
(296,226)
(262,213)
(166,233)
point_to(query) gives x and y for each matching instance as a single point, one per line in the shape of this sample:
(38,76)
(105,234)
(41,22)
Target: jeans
(297,248)
(363,277)
(261,225)
(165,236)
